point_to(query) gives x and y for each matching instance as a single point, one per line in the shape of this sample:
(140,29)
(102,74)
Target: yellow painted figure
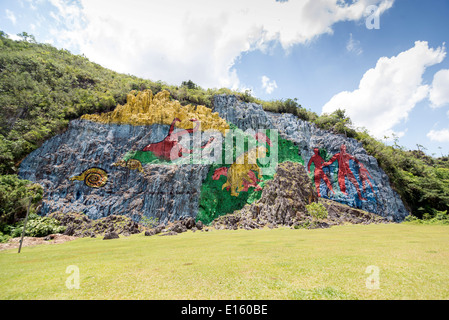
(132,164)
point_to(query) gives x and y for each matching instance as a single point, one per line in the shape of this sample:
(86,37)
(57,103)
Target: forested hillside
(43,88)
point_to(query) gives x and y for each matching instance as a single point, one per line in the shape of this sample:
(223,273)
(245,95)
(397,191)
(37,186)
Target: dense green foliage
(15,195)
(43,88)
(439,218)
(36,226)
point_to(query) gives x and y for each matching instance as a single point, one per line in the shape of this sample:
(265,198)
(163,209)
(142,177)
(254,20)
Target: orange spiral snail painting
(93,177)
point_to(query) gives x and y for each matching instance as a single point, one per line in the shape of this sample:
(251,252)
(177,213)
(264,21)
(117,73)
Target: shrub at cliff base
(14,196)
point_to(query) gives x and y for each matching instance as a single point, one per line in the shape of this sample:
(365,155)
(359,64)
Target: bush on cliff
(317,210)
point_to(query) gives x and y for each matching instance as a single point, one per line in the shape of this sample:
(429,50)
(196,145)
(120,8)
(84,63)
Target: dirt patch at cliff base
(34,241)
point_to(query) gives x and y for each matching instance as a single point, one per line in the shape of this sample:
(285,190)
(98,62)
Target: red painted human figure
(319,174)
(344,171)
(170,148)
(363,174)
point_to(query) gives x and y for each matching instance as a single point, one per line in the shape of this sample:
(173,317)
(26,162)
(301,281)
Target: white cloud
(198,39)
(439,96)
(353,45)
(389,91)
(32,4)
(268,85)
(439,92)
(10,15)
(14,37)
(439,135)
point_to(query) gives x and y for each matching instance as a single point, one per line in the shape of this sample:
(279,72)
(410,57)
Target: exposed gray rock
(283,201)
(170,233)
(111,235)
(243,115)
(79,225)
(383,200)
(150,233)
(166,192)
(199,225)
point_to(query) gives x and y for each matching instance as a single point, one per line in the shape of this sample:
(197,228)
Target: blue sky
(317,51)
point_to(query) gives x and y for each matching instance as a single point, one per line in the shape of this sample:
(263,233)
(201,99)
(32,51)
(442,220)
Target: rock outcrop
(79,225)
(173,228)
(376,194)
(284,203)
(243,115)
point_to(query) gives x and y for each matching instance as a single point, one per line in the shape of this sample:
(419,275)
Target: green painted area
(145,157)
(215,202)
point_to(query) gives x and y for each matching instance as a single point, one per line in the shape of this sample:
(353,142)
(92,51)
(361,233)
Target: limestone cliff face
(164,191)
(100,165)
(376,194)
(243,115)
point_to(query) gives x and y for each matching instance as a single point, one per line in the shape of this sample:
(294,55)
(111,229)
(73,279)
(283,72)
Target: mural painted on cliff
(241,175)
(217,196)
(93,177)
(340,177)
(170,148)
(229,185)
(131,164)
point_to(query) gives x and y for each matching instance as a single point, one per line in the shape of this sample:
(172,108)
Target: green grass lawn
(413,262)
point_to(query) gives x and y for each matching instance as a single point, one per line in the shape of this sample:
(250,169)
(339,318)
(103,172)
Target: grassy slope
(259,264)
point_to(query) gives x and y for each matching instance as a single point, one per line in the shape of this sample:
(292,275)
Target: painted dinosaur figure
(240,175)
(363,174)
(170,148)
